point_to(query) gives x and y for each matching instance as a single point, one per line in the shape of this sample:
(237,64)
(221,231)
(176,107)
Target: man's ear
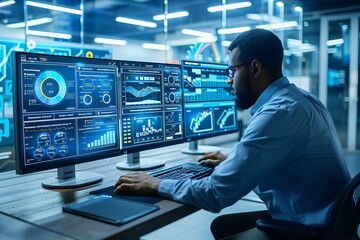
(256,68)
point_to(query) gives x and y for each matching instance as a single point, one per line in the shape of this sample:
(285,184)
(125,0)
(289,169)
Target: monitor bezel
(20,167)
(149,146)
(209,135)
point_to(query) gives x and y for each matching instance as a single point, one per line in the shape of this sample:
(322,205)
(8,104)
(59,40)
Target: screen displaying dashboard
(70,110)
(209,106)
(151,105)
(66,110)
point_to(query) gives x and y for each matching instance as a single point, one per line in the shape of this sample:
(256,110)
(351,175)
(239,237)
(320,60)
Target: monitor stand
(68,178)
(199,150)
(133,163)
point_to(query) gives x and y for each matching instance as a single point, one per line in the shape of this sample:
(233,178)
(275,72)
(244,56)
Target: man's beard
(245,101)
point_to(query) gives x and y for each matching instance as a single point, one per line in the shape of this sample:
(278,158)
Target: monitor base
(81,179)
(200,150)
(143,165)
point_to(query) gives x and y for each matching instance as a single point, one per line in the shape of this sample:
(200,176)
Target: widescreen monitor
(151,110)
(66,112)
(209,106)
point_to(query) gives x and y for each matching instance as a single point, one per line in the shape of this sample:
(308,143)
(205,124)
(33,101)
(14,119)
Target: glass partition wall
(338,74)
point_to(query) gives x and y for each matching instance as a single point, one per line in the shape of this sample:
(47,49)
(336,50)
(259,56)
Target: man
(290,154)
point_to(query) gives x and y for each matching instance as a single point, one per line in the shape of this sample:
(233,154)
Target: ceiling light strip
(110,41)
(281,25)
(335,42)
(53,7)
(6,3)
(196,33)
(49,34)
(154,46)
(171,15)
(30,23)
(229,6)
(233,30)
(136,22)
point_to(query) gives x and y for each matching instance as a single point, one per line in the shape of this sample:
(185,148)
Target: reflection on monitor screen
(66,111)
(209,106)
(151,114)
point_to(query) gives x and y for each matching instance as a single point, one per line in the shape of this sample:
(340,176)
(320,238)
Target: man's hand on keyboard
(212,159)
(138,182)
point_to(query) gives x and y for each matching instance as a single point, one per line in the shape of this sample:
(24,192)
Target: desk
(13,228)
(23,197)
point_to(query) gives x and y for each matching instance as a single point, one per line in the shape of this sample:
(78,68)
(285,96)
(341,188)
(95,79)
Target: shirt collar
(268,92)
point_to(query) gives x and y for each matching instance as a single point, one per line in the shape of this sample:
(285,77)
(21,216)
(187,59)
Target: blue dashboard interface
(68,108)
(209,106)
(151,104)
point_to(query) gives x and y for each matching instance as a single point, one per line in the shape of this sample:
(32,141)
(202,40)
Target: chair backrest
(345,218)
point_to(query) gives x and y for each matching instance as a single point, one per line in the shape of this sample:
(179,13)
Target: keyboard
(184,171)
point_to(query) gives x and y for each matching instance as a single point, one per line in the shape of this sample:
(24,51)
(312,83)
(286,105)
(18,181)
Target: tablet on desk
(111,210)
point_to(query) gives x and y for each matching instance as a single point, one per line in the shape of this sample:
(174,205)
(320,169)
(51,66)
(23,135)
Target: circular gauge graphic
(88,84)
(39,153)
(106,98)
(87,99)
(43,139)
(105,84)
(172,97)
(63,150)
(50,88)
(171,80)
(51,152)
(60,138)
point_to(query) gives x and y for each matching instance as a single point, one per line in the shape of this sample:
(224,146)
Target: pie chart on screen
(50,88)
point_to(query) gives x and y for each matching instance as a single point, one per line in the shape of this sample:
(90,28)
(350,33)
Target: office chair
(344,220)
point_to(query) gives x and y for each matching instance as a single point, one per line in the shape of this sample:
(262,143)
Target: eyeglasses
(230,71)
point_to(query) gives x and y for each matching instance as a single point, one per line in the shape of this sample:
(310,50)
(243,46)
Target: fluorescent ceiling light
(334,42)
(191,41)
(30,23)
(296,46)
(281,25)
(229,6)
(110,41)
(196,33)
(154,46)
(280,4)
(6,3)
(233,30)
(293,43)
(307,47)
(171,15)
(49,34)
(136,22)
(53,7)
(298,9)
(263,17)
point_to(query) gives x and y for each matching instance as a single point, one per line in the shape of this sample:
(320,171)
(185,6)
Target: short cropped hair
(259,44)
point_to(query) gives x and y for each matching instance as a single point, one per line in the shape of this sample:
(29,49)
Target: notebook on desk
(134,198)
(111,210)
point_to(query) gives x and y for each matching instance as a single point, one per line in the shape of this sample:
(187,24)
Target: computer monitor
(151,110)
(209,106)
(66,113)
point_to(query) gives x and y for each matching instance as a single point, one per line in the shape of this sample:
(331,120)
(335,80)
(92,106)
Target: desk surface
(23,197)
